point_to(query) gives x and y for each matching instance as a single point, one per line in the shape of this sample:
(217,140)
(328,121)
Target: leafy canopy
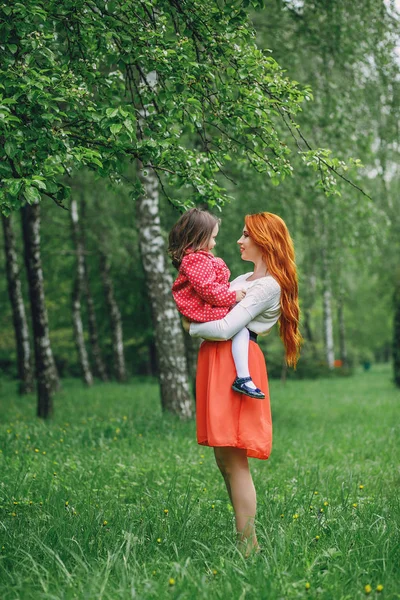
(78,88)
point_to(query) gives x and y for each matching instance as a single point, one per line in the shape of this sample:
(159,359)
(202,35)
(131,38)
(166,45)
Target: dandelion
(125,418)
(61,440)
(13,514)
(158,540)
(360,487)
(66,503)
(316,538)
(368,589)
(44,452)
(214,572)
(326,503)
(204,489)
(117,431)
(40,503)
(105,523)
(200,462)
(295,516)
(30,502)
(321,510)
(154,572)
(171,581)
(15,503)
(316,493)
(201,455)
(212,506)
(379,587)
(355,504)
(36,449)
(282,515)
(54,474)
(311,507)
(165,511)
(308,585)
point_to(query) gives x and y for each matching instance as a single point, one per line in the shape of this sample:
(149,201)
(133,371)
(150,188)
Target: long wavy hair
(192,231)
(270,234)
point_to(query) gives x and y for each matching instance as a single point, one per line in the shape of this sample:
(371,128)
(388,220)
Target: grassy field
(112,500)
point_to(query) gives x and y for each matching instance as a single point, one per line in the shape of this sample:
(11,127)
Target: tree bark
(77,294)
(24,362)
(99,366)
(115,319)
(396,336)
(342,332)
(171,355)
(327,314)
(46,373)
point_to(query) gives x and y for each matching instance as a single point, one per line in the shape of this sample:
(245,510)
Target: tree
(46,373)
(25,374)
(77,294)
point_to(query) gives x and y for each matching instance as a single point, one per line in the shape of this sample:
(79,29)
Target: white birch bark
(171,356)
(24,359)
(76,296)
(342,332)
(46,373)
(327,314)
(115,319)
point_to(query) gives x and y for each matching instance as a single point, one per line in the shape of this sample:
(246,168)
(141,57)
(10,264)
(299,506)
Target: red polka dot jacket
(201,290)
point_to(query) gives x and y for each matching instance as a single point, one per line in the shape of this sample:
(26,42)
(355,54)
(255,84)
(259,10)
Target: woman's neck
(260,269)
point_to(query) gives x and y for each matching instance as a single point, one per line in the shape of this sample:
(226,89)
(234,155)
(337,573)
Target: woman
(239,427)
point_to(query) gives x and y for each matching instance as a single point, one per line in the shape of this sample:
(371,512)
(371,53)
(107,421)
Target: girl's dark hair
(193,230)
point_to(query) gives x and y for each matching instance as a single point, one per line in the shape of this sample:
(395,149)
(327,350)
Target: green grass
(83,497)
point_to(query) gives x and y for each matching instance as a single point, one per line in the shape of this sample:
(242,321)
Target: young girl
(201,290)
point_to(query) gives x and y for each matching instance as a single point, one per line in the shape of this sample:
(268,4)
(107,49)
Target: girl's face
(248,249)
(211,242)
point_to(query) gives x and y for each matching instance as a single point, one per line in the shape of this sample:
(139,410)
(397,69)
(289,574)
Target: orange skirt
(225,417)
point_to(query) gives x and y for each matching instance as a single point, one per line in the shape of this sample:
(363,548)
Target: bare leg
(234,466)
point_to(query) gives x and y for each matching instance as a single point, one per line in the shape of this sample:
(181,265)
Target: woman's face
(248,249)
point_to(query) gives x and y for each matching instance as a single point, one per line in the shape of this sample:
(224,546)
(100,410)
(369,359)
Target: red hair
(270,234)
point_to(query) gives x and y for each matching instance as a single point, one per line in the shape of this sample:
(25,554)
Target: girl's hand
(240,294)
(185,324)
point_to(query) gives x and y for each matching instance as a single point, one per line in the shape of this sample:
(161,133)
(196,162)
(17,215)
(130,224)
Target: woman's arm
(258,299)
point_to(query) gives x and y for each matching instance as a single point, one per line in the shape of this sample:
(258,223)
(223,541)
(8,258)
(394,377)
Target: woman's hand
(185,324)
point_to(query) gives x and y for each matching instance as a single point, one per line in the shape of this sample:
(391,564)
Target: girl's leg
(240,353)
(234,466)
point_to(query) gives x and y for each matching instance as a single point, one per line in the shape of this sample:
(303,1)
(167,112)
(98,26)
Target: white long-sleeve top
(258,311)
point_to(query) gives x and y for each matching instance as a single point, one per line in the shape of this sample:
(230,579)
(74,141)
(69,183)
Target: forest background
(99,257)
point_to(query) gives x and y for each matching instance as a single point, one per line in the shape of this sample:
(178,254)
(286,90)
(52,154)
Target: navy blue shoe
(239,385)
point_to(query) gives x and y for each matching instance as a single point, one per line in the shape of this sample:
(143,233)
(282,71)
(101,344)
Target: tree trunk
(327,315)
(46,373)
(25,372)
(76,296)
(396,336)
(171,355)
(342,332)
(99,366)
(115,319)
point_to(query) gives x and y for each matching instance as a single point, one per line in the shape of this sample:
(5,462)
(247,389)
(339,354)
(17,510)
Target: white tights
(240,353)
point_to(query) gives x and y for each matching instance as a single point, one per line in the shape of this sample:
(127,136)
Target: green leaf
(116,128)
(31,194)
(12,48)
(14,187)
(111,112)
(10,149)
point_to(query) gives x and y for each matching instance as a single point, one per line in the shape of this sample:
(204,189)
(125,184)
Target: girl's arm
(259,298)
(201,274)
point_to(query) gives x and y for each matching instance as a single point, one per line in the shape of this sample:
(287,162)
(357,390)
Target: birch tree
(45,369)
(77,294)
(24,358)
